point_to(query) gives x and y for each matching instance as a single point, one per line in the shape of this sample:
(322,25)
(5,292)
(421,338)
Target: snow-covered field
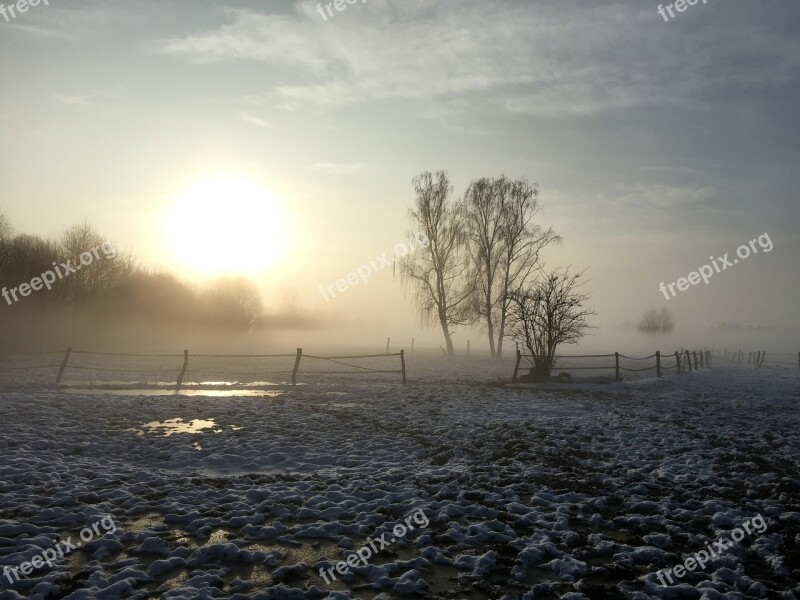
(529,492)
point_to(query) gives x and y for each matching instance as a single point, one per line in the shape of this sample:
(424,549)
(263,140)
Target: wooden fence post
(467,347)
(758,358)
(763,356)
(403,363)
(702,365)
(183,370)
(708,359)
(678,361)
(658,363)
(388,340)
(412,345)
(63,365)
(694,354)
(296,365)
(516,366)
(616,362)
(689,361)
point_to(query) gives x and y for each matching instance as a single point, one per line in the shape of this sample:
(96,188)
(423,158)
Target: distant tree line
(111,289)
(656,321)
(484,265)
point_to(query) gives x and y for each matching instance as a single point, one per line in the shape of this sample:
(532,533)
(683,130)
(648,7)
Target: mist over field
(399,299)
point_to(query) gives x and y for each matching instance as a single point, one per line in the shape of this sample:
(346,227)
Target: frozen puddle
(234,393)
(172,426)
(527,493)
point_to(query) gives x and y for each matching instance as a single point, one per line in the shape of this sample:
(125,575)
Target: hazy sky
(655,144)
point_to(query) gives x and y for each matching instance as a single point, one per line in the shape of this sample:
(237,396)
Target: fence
(178,374)
(757,358)
(682,362)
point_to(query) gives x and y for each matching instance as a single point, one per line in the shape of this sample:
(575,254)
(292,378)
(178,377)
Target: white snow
(568,491)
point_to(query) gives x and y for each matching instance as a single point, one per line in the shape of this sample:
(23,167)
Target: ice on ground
(528,492)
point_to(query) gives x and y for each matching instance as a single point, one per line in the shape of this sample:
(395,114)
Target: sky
(656,144)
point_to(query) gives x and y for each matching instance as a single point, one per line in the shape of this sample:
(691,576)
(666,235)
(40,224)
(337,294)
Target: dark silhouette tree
(6,230)
(505,247)
(523,242)
(232,302)
(484,211)
(23,257)
(549,312)
(439,273)
(656,321)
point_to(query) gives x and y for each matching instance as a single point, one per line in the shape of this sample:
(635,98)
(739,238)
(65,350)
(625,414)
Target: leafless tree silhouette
(484,212)
(505,246)
(439,273)
(548,313)
(656,321)
(104,273)
(233,301)
(6,230)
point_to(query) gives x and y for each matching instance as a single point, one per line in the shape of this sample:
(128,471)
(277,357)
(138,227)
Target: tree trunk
(448,340)
(501,332)
(503,314)
(490,326)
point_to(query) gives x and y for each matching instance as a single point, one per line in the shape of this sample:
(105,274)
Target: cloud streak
(545,59)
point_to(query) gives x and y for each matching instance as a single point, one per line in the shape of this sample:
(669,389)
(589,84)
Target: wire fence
(758,358)
(118,369)
(679,361)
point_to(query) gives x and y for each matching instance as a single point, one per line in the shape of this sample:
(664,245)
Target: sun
(225,224)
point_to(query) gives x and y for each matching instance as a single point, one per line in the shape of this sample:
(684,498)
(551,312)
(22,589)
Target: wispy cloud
(548,59)
(624,208)
(252,119)
(74,21)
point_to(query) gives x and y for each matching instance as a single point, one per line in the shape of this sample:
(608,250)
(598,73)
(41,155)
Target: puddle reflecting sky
(233,393)
(172,426)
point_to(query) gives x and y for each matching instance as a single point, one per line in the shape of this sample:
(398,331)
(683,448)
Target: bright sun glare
(226,224)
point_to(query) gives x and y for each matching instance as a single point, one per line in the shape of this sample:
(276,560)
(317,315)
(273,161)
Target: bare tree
(6,234)
(107,270)
(439,272)
(523,242)
(548,313)
(656,321)
(233,302)
(484,212)
(5,228)
(505,247)
(23,257)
